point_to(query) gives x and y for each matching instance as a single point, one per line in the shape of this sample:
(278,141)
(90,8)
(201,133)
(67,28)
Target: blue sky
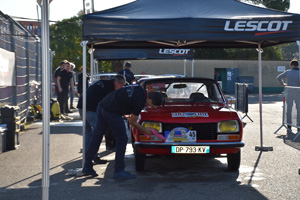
(59,9)
(62,9)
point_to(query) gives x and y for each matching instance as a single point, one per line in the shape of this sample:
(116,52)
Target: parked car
(177,75)
(105,76)
(194,119)
(140,76)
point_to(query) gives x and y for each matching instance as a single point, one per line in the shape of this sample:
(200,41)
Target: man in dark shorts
(94,94)
(127,100)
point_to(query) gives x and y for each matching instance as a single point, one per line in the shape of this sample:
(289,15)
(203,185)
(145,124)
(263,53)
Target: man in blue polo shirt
(127,100)
(94,94)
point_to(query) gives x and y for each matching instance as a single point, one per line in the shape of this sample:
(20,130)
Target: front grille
(205,131)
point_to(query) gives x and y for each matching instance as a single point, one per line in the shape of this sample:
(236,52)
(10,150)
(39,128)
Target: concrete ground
(262,175)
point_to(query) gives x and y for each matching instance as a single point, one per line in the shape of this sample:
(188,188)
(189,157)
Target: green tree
(290,51)
(65,39)
(282,5)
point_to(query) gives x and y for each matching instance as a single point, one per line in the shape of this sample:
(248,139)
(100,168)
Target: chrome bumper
(216,145)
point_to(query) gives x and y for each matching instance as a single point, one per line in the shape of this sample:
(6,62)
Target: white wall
(205,68)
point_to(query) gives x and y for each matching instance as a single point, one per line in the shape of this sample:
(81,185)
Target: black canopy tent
(142,54)
(191,24)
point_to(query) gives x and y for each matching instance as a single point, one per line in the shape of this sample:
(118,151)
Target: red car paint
(183,115)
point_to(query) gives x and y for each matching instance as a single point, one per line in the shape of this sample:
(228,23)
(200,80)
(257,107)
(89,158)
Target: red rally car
(193,119)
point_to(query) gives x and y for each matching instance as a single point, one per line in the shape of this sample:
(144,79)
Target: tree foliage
(65,39)
(282,5)
(290,51)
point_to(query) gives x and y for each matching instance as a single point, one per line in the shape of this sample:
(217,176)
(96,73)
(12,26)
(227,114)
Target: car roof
(176,78)
(106,74)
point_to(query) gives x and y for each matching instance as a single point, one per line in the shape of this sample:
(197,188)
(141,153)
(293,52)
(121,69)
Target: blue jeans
(116,124)
(90,123)
(71,97)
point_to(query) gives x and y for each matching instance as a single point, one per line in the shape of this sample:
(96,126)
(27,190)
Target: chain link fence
(26,89)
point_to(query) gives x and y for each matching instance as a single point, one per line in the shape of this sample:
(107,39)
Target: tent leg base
(248,117)
(295,138)
(280,128)
(259,148)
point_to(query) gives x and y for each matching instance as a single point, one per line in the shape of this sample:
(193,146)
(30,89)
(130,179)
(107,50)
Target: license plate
(190,149)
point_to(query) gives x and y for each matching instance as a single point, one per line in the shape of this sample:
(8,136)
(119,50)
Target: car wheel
(234,161)
(139,160)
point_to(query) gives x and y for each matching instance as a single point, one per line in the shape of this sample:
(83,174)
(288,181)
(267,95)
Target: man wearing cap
(127,100)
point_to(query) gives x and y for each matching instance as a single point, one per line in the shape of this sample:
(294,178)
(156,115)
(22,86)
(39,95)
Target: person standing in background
(126,72)
(80,83)
(292,92)
(58,69)
(71,94)
(64,79)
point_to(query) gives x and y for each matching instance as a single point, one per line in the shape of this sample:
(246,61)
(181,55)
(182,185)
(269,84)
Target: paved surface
(262,175)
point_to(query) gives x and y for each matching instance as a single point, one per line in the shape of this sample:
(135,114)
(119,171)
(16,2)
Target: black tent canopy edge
(140,54)
(192,24)
(185,44)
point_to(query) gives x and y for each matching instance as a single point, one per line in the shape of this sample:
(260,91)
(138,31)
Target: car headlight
(154,125)
(231,126)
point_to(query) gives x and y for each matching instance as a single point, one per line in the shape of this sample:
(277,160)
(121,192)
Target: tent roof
(189,24)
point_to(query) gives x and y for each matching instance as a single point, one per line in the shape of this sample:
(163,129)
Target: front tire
(234,161)
(139,160)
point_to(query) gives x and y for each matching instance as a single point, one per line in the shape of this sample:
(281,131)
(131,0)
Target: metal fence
(291,109)
(14,37)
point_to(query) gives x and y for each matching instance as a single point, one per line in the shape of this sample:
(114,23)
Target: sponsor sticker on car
(190,114)
(181,134)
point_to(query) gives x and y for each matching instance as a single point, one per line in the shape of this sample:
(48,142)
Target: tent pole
(298,43)
(261,148)
(193,62)
(92,63)
(184,71)
(84,43)
(46,74)
(96,67)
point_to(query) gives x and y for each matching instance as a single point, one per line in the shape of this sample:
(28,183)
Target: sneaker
(124,175)
(69,111)
(108,148)
(89,172)
(65,117)
(98,161)
(72,107)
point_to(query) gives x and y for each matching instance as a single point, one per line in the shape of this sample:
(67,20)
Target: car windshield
(187,91)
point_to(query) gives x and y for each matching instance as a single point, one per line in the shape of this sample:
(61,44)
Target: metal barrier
(14,37)
(291,109)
